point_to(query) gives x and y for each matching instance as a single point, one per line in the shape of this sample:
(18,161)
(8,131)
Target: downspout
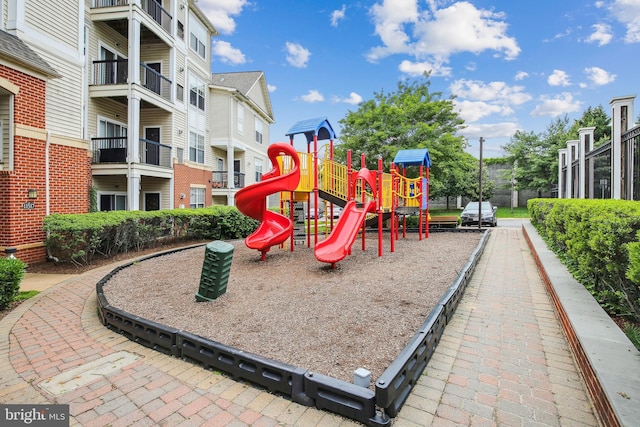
(47,189)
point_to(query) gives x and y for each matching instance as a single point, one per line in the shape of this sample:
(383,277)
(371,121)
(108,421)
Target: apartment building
(239,120)
(125,110)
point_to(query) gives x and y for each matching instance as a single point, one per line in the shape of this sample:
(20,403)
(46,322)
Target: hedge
(78,238)
(599,241)
(11,274)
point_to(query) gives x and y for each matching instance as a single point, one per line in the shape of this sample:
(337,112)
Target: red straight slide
(274,228)
(337,245)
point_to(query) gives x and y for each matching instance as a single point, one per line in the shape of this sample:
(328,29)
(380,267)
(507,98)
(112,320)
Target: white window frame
(197,36)
(197,88)
(258,168)
(196,147)
(240,118)
(197,197)
(259,125)
(116,195)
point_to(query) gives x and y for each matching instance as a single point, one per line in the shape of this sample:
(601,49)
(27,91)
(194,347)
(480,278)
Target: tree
(411,117)
(597,118)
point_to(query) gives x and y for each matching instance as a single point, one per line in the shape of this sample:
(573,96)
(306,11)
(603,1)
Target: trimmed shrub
(78,238)
(599,241)
(11,274)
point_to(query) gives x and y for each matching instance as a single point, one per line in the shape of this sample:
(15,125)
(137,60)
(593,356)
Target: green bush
(11,274)
(78,238)
(599,241)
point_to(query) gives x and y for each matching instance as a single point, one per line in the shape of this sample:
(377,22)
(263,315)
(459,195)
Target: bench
(443,222)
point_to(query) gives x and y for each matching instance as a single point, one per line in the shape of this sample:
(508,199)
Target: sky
(511,64)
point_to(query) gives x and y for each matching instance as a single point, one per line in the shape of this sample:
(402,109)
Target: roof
(319,127)
(244,82)
(14,48)
(414,157)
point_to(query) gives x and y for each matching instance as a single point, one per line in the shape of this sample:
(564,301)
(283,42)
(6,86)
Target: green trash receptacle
(215,270)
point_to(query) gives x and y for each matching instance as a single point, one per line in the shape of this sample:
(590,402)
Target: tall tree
(594,117)
(411,117)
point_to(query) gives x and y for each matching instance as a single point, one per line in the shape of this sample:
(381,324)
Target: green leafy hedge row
(78,238)
(599,241)
(11,274)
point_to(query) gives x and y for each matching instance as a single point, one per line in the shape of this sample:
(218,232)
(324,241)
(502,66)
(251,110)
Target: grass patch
(25,295)
(502,212)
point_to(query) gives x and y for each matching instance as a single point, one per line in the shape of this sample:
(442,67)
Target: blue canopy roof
(311,127)
(415,157)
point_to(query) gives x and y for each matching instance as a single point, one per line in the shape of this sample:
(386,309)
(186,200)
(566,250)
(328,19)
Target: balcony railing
(154,153)
(114,150)
(110,71)
(155,82)
(109,149)
(116,71)
(110,3)
(158,14)
(220,179)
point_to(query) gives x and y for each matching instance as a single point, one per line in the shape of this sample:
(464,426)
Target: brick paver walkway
(502,360)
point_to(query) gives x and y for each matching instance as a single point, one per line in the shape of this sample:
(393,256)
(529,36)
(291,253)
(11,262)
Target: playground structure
(366,197)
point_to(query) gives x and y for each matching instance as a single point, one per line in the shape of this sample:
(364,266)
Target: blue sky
(512,65)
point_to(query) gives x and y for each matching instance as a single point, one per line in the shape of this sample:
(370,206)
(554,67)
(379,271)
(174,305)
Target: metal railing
(159,14)
(155,82)
(110,71)
(114,150)
(109,149)
(109,3)
(220,179)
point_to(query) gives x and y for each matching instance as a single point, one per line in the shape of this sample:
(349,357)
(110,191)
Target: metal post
(480,187)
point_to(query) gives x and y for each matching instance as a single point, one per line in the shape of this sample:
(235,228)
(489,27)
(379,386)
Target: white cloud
(353,99)
(557,106)
(297,55)
(558,78)
(627,12)
(521,75)
(227,53)
(472,111)
(497,93)
(271,88)
(439,33)
(312,96)
(601,34)
(415,69)
(338,15)
(221,13)
(490,130)
(598,76)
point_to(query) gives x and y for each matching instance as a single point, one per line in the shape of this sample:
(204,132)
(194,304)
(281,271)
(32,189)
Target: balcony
(153,8)
(114,150)
(220,179)
(116,71)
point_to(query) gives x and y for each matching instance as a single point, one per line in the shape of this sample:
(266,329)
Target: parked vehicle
(470,213)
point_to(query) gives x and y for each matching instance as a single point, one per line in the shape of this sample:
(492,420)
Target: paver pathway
(502,360)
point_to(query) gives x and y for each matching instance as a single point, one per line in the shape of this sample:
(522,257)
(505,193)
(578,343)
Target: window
(196,92)
(196,198)
(113,202)
(180,30)
(240,119)
(258,163)
(258,130)
(197,37)
(196,147)
(179,93)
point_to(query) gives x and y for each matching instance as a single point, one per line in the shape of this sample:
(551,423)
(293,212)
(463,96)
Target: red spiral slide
(274,228)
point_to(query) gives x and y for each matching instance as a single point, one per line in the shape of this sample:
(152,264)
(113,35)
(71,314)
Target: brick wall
(69,174)
(184,176)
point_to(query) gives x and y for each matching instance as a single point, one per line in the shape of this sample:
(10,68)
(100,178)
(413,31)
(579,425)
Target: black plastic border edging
(301,386)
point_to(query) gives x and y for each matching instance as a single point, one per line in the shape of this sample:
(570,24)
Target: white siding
(61,25)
